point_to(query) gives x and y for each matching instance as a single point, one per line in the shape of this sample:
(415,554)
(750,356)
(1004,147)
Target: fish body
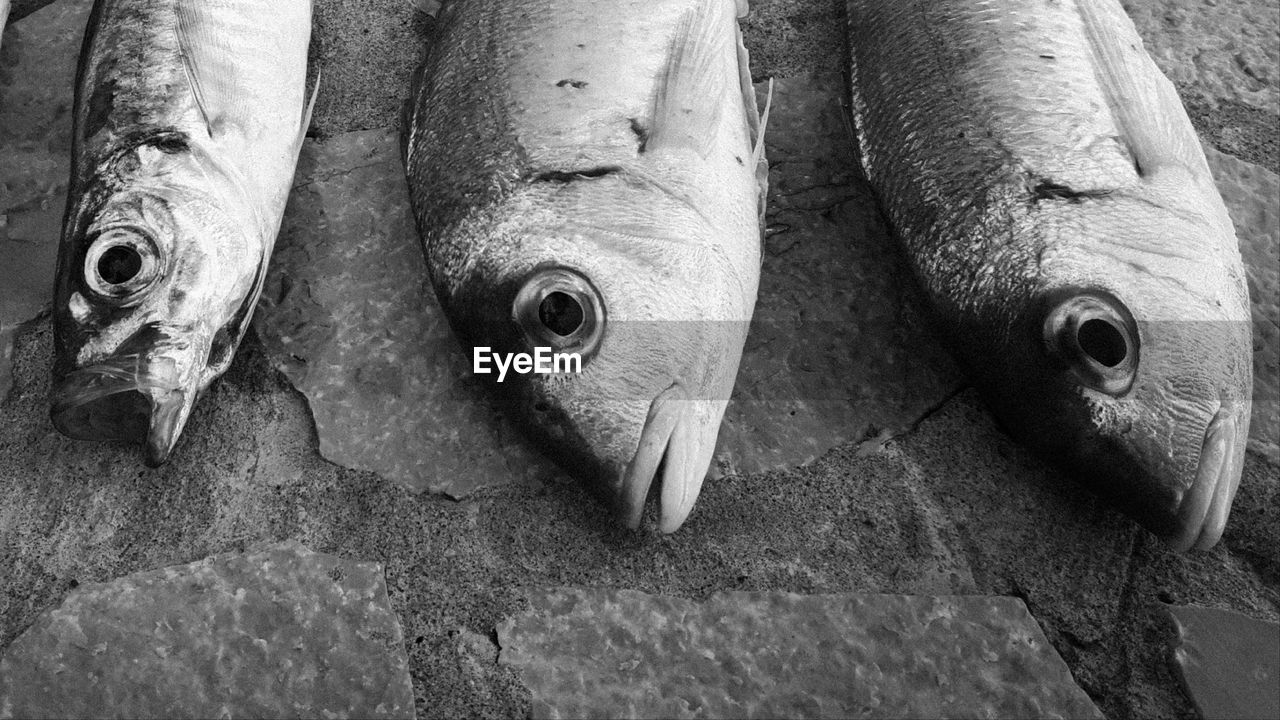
(188,119)
(4,16)
(1057,208)
(589,177)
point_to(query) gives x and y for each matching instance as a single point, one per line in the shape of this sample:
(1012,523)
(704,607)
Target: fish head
(1134,363)
(159,268)
(659,326)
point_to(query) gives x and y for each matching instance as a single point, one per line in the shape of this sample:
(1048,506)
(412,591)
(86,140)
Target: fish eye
(122,262)
(560,308)
(1093,334)
(561,313)
(1102,341)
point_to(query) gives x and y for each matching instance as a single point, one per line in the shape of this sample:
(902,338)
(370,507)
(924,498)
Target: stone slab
(837,349)
(1229,662)
(1223,50)
(349,316)
(37,73)
(278,633)
(19,9)
(623,653)
(365,53)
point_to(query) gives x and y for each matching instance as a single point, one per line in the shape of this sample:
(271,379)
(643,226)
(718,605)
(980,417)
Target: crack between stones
(345,171)
(873,443)
(933,410)
(1127,606)
(798,208)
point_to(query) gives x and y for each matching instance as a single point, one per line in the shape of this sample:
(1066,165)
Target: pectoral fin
(691,93)
(209,62)
(1146,107)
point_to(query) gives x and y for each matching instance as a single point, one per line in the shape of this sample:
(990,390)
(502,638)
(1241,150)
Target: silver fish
(1057,207)
(189,115)
(588,176)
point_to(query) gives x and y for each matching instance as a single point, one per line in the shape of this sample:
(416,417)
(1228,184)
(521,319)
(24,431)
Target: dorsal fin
(691,93)
(209,62)
(1145,105)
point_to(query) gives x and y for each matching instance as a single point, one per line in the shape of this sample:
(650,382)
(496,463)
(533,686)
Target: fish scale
(1048,110)
(1057,208)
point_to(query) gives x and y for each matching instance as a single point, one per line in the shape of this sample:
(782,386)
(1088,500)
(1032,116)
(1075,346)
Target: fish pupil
(1103,342)
(119,264)
(560,313)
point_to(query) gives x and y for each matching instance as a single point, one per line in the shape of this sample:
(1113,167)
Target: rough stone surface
(621,653)
(37,71)
(950,507)
(953,507)
(1229,662)
(19,9)
(1235,128)
(349,316)
(281,632)
(956,480)
(838,349)
(1225,50)
(1252,195)
(365,53)
(1223,56)
(795,39)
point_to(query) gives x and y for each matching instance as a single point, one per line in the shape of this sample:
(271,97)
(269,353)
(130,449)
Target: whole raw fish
(588,177)
(189,115)
(1057,207)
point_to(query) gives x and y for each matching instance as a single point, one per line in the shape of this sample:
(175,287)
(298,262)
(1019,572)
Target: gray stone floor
(919,495)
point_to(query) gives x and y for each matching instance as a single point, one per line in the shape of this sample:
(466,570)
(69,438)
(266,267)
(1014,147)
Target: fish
(589,178)
(188,119)
(1055,204)
(4,17)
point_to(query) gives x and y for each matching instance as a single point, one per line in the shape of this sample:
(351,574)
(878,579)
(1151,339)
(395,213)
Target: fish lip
(682,432)
(125,398)
(1203,510)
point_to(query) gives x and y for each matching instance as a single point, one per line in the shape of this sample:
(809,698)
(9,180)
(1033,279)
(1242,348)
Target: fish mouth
(679,436)
(131,398)
(1202,513)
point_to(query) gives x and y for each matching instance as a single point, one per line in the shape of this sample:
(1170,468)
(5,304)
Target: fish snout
(678,439)
(1204,507)
(133,398)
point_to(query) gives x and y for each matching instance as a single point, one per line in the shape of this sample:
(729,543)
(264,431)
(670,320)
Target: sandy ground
(950,506)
